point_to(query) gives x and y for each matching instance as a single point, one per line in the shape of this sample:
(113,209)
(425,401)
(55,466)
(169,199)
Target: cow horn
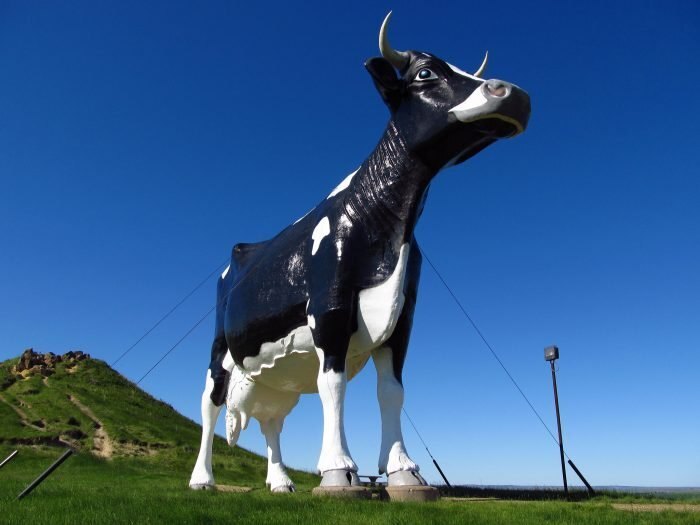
(398,59)
(482,67)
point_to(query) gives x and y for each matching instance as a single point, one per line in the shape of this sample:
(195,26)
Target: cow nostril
(496,89)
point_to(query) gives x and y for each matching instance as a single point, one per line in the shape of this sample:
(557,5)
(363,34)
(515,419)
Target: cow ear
(386,81)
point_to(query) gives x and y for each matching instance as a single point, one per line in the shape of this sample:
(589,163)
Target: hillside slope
(77,401)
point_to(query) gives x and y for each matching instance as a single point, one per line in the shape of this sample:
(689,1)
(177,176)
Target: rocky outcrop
(32,362)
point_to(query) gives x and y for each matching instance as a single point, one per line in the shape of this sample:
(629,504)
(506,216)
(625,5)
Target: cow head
(444,114)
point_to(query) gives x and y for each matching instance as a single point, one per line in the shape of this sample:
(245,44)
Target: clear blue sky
(139,142)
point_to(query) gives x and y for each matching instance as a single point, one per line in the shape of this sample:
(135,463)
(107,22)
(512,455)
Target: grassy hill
(135,455)
(71,400)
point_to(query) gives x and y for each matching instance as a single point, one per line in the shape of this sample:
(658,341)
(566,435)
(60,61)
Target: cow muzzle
(504,108)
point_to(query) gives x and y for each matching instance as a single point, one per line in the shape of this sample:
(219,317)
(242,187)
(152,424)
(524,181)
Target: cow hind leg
(277,479)
(393,458)
(213,399)
(202,476)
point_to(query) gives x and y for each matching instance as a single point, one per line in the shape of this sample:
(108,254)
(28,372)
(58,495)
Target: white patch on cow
(379,308)
(290,363)
(464,73)
(223,275)
(322,229)
(312,321)
(228,361)
(343,185)
(463,111)
(300,218)
(299,342)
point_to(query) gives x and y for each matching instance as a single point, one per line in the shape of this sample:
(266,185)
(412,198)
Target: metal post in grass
(45,474)
(591,492)
(551,354)
(9,458)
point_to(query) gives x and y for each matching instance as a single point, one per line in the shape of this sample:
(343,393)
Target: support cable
(201,319)
(493,352)
(426,448)
(214,271)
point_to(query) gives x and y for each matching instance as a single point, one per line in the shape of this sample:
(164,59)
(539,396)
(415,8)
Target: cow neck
(389,188)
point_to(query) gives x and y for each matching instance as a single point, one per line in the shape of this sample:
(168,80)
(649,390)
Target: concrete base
(232,488)
(412,493)
(343,492)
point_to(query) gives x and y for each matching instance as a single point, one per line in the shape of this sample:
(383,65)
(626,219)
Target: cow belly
(291,364)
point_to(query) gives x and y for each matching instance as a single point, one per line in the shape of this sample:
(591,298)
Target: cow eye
(426,74)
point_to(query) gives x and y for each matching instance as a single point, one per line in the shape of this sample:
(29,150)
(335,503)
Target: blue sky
(138,143)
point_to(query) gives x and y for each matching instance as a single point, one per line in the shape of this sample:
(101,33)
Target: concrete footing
(351,492)
(412,493)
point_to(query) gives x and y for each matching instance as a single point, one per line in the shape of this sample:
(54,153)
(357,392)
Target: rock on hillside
(45,364)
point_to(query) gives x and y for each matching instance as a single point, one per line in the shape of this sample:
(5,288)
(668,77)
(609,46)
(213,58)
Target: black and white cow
(304,311)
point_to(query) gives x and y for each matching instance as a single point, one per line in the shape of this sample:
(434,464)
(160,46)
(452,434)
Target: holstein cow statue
(303,312)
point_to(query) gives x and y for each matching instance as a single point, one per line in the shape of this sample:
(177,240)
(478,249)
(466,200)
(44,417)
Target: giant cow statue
(304,311)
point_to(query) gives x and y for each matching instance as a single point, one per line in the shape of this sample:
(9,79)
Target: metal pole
(441,472)
(9,458)
(561,444)
(591,492)
(45,474)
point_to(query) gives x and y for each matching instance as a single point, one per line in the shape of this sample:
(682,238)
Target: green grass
(155,449)
(578,494)
(86,489)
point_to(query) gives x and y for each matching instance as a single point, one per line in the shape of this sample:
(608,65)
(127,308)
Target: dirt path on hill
(24,419)
(102,444)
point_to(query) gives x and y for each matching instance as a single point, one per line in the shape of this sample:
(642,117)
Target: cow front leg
(335,463)
(393,458)
(331,333)
(277,478)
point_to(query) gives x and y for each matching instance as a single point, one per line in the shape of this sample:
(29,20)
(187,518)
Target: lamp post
(551,354)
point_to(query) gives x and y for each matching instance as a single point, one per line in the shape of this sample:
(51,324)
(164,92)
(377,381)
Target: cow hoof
(339,462)
(202,486)
(283,489)
(340,478)
(404,478)
(399,461)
